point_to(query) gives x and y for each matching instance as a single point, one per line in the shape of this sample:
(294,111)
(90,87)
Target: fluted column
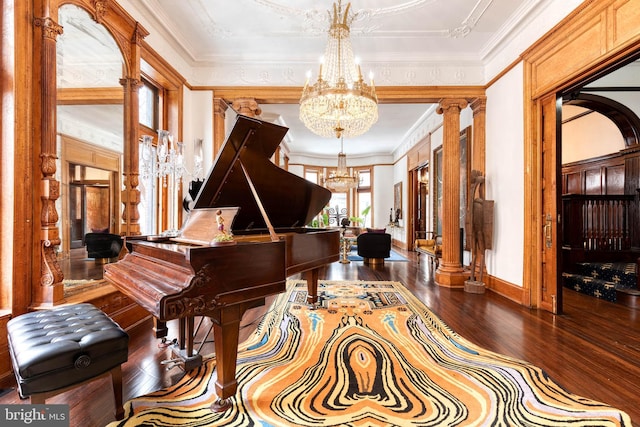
(478,148)
(219,115)
(450,271)
(50,289)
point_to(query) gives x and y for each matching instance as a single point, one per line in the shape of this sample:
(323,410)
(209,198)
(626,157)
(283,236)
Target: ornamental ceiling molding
(388,74)
(362,20)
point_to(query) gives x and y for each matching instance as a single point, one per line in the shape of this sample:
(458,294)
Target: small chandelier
(341,181)
(167,159)
(339,102)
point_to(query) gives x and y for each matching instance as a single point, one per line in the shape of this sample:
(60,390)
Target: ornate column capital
(50,28)
(139,34)
(247,106)
(479,105)
(220,107)
(447,104)
(130,83)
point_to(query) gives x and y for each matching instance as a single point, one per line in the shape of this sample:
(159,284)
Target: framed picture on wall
(465,172)
(437,191)
(465,184)
(397,202)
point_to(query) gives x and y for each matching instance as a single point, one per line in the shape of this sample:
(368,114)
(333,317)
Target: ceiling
(270,42)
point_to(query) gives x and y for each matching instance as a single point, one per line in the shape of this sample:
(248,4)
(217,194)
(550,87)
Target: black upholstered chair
(103,246)
(374,247)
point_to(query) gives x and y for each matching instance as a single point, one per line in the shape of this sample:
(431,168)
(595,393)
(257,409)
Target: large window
(150,207)
(356,203)
(148,105)
(312,175)
(148,186)
(338,209)
(364,198)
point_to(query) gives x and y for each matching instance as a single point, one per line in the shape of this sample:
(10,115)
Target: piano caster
(312,302)
(221,405)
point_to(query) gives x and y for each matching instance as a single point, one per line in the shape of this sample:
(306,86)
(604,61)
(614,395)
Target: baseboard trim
(508,290)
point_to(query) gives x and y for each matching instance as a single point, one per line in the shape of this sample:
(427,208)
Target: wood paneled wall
(604,175)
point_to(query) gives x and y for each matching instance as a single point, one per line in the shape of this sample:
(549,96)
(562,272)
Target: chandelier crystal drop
(341,181)
(339,103)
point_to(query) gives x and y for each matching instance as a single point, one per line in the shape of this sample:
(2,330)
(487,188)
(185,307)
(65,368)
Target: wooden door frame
(596,37)
(75,151)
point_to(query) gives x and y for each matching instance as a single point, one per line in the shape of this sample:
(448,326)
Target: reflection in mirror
(90,139)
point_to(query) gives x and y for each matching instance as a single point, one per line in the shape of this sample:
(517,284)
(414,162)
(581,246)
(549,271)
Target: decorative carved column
(131,83)
(450,272)
(130,194)
(219,115)
(50,289)
(478,148)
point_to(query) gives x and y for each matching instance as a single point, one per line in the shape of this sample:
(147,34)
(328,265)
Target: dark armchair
(374,247)
(103,246)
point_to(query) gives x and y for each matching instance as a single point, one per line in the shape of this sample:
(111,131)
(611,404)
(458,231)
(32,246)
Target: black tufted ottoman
(56,349)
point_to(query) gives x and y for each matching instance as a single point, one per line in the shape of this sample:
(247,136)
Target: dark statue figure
(480,220)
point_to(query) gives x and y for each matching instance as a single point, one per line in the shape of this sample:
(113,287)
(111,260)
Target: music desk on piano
(181,280)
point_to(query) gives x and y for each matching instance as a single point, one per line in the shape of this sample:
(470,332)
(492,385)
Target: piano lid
(288,200)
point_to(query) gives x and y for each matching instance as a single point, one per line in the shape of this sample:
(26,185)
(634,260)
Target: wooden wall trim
(386,94)
(158,69)
(594,36)
(90,95)
(506,289)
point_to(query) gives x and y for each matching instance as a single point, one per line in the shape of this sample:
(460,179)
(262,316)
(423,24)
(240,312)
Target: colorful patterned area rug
(371,355)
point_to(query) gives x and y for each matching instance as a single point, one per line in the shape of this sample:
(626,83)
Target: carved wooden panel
(586,39)
(614,179)
(572,183)
(626,15)
(603,175)
(593,181)
(594,29)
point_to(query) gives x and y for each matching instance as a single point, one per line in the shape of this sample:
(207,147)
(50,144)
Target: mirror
(90,139)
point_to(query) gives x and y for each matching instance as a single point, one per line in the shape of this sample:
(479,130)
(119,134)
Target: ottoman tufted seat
(53,350)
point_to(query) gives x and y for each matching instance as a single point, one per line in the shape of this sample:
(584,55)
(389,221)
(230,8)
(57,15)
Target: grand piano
(179,278)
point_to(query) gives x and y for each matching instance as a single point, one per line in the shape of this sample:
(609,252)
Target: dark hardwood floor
(592,349)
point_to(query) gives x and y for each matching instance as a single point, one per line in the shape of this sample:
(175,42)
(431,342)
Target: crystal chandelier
(168,159)
(339,103)
(341,181)
(166,162)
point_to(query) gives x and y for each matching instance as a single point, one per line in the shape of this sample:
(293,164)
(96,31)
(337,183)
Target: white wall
(589,136)
(197,124)
(542,17)
(504,175)
(383,179)
(297,170)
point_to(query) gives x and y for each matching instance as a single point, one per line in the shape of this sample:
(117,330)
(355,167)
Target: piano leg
(160,328)
(182,334)
(312,287)
(226,332)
